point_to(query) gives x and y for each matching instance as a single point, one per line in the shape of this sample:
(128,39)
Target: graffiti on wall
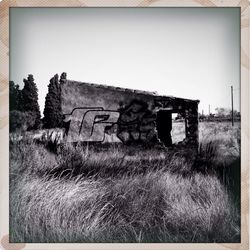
(89,124)
(131,123)
(136,122)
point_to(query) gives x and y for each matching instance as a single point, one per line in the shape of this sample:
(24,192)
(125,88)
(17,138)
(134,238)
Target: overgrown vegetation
(24,108)
(116,193)
(52,111)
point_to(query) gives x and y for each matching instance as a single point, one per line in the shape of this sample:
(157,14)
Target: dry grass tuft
(125,194)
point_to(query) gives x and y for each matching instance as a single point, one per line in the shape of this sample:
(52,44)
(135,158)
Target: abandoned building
(98,113)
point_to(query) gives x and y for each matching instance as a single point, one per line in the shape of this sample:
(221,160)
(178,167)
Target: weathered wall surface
(99,113)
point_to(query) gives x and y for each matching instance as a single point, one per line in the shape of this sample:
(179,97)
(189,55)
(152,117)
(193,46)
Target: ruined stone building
(98,113)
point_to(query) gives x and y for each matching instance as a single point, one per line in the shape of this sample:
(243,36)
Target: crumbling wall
(98,113)
(192,121)
(136,122)
(188,109)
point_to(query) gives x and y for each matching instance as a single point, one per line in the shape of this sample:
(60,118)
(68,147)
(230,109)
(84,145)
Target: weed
(119,193)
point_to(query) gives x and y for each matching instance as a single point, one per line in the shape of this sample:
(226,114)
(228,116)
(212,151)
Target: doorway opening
(171,128)
(164,126)
(178,128)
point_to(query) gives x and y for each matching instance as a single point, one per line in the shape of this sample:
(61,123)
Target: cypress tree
(29,101)
(52,111)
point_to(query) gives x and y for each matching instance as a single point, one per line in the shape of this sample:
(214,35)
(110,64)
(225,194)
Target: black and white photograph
(125,125)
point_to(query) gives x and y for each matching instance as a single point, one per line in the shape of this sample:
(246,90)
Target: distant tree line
(24,108)
(221,114)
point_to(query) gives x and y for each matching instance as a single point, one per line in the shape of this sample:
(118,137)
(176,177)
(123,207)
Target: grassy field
(127,194)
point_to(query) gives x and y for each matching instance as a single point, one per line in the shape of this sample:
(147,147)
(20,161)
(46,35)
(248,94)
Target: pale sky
(184,52)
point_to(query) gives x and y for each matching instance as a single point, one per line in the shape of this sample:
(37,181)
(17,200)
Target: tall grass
(124,194)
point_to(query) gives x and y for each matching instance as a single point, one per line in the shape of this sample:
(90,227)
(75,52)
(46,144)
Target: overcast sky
(185,52)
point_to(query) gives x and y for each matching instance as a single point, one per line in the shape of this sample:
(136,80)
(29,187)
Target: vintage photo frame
(4,119)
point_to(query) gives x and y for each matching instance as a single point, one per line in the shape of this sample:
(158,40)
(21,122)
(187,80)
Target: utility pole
(232,100)
(209,109)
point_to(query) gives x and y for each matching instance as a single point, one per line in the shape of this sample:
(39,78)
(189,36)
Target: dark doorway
(164,126)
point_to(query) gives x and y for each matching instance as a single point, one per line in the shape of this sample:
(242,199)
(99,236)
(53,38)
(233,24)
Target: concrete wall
(98,113)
